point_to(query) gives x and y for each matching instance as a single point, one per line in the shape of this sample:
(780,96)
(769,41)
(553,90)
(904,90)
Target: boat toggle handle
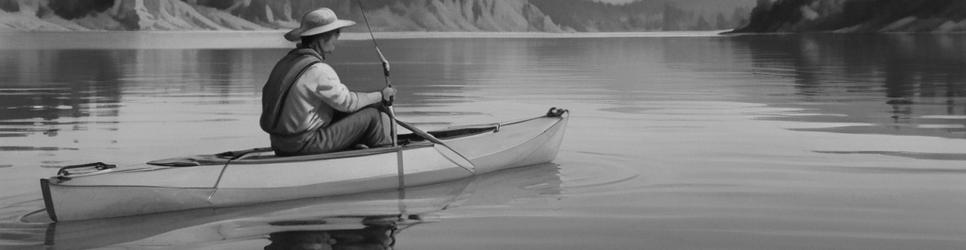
(62,172)
(556,112)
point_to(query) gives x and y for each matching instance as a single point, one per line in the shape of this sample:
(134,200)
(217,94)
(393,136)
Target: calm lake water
(747,142)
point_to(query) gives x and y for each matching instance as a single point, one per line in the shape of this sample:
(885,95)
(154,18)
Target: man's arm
(336,94)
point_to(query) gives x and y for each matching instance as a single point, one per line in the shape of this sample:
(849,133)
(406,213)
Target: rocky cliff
(857,16)
(385,15)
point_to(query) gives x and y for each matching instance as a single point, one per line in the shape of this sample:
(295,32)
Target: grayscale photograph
(483,124)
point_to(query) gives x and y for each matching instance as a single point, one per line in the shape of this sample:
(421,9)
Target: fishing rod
(460,160)
(385,72)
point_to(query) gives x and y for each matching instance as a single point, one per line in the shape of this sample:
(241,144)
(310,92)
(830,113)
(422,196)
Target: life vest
(279,84)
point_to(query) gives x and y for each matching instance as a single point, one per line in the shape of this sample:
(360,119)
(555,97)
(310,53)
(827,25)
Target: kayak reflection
(360,221)
(379,233)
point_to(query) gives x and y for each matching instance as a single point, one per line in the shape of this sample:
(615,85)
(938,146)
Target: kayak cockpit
(266,155)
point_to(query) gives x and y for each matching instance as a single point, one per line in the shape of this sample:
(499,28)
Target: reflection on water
(47,91)
(377,234)
(41,87)
(902,84)
(909,83)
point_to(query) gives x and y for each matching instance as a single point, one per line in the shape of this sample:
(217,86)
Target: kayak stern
(69,202)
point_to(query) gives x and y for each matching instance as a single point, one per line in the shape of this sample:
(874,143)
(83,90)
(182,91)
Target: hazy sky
(615,1)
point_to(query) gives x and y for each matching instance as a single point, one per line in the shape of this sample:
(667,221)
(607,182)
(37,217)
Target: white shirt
(315,97)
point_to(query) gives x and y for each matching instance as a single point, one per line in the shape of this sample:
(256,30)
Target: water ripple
(597,171)
(913,155)
(28,148)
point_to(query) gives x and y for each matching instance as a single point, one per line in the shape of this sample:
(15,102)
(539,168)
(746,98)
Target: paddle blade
(444,149)
(455,157)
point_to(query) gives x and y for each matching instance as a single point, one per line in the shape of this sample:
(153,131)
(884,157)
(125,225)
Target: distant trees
(857,16)
(70,9)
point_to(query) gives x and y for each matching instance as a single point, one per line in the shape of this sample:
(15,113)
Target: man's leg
(366,126)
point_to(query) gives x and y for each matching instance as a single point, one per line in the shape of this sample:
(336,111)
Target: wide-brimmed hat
(317,22)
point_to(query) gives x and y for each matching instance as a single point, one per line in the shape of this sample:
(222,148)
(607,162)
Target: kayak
(99,190)
(199,228)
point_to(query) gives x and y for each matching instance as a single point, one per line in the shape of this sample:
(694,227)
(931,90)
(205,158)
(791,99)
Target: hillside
(385,15)
(857,16)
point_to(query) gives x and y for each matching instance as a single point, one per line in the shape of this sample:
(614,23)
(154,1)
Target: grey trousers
(367,126)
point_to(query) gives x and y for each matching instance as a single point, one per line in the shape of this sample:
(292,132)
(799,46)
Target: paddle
(447,151)
(454,156)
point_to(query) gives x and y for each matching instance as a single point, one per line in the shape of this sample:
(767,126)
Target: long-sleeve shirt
(315,97)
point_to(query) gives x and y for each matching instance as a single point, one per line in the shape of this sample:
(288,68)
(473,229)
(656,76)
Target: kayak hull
(215,182)
(68,202)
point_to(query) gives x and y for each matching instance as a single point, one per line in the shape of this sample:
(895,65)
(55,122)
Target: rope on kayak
(232,156)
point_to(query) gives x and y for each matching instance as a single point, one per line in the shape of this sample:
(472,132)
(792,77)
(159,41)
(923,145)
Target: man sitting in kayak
(303,95)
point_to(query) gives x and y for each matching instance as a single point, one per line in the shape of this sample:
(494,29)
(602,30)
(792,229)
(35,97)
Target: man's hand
(387,95)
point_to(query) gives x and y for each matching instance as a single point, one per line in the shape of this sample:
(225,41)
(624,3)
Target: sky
(615,1)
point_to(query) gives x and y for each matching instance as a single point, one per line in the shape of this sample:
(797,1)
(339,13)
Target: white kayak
(233,178)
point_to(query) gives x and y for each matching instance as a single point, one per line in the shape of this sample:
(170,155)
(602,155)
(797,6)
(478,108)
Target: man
(303,95)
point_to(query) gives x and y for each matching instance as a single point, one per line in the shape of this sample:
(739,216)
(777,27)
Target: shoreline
(270,39)
(403,34)
(261,39)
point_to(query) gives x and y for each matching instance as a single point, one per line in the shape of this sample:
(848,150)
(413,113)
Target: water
(677,142)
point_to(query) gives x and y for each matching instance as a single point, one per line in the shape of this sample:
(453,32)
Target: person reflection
(372,237)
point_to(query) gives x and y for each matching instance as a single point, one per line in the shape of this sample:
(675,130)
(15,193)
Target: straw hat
(317,22)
